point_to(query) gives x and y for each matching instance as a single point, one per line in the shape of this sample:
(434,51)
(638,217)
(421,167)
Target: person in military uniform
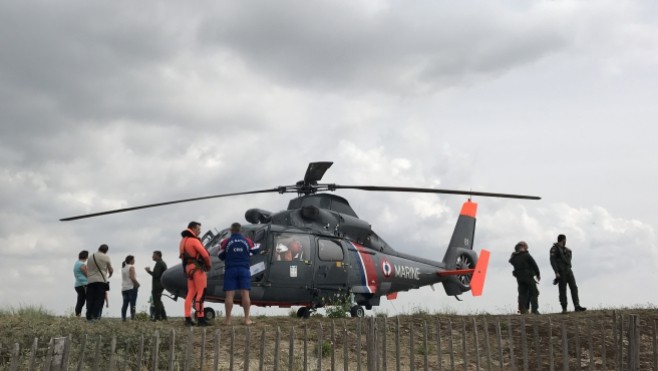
(561,262)
(525,271)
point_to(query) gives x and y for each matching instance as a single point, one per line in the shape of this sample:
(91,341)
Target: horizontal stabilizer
(455,272)
(477,281)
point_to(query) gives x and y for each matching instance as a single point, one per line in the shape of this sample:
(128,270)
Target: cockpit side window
(214,244)
(292,247)
(329,250)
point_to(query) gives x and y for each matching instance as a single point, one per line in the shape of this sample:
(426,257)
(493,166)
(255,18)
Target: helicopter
(318,252)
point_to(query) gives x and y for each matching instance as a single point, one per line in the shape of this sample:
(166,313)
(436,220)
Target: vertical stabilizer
(462,237)
(460,254)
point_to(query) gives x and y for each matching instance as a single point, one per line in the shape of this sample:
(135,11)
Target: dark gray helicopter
(318,251)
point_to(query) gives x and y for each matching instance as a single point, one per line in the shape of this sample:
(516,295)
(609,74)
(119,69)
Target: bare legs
(246,305)
(228,306)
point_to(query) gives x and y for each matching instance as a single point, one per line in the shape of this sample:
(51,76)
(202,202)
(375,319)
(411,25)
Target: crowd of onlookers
(92,274)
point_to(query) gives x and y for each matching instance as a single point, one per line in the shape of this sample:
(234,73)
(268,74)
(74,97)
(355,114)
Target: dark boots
(201,321)
(188,321)
(578,308)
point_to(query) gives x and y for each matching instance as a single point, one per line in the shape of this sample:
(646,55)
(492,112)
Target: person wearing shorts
(235,252)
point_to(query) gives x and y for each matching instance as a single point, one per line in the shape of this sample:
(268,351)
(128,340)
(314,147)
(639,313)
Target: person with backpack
(525,271)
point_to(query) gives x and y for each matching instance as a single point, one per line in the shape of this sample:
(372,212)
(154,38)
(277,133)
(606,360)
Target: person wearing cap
(525,271)
(561,262)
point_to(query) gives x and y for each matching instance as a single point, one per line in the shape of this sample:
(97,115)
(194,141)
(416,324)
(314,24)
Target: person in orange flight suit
(196,263)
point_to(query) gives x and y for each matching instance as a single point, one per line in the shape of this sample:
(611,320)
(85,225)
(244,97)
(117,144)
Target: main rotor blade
(315,171)
(166,203)
(432,190)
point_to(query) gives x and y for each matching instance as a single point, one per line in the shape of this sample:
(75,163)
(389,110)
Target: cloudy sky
(108,105)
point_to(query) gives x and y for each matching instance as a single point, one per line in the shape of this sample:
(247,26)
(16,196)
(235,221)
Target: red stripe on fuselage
(368,267)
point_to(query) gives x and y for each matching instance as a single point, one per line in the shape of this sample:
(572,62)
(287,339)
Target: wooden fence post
(202,352)
(604,353)
(33,354)
(397,343)
(345,349)
(172,347)
(231,356)
(524,344)
(590,357)
(333,345)
(384,345)
(247,346)
(156,349)
(15,357)
(476,344)
(261,357)
(464,350)
(486,340)
(565,347)
(320,346)
(551,360)
(277,341)
(425,346)
(359,322)
(438,345)
(499,338)
(655,347)
(81,355)
(141,352)
(67,352)
(187,364)
(577,345)
(97,352)
(371,346)
(305,347)
(450,347)
(535,331)
(633,334)
(412,354)
(510,332)
(291,349)
(113,348)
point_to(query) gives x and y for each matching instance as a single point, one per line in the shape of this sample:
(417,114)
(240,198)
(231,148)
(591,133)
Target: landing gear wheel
(209,314)
(357,311)
(304,312)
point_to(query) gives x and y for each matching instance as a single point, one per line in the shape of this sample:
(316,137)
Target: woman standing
(80,274)
(129,286)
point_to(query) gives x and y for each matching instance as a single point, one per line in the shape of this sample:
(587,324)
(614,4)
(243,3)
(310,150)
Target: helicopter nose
(175,281)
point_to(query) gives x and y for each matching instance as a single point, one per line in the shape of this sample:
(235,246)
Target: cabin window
(292,247)
(329,250)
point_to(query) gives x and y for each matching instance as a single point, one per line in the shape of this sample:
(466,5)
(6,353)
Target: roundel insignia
(387,268)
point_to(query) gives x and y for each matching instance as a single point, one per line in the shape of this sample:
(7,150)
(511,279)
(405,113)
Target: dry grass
(593,330)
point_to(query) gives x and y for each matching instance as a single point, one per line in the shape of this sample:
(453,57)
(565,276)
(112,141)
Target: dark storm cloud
(408,47)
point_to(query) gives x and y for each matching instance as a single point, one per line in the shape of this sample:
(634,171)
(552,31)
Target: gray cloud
(106,106)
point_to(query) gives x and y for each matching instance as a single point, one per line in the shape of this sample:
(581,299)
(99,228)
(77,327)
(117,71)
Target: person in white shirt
(129,286)
(99,270)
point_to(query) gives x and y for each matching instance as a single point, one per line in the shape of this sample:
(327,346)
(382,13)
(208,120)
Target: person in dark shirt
(561,262)
(156,287)
(235,251)
(525,271)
